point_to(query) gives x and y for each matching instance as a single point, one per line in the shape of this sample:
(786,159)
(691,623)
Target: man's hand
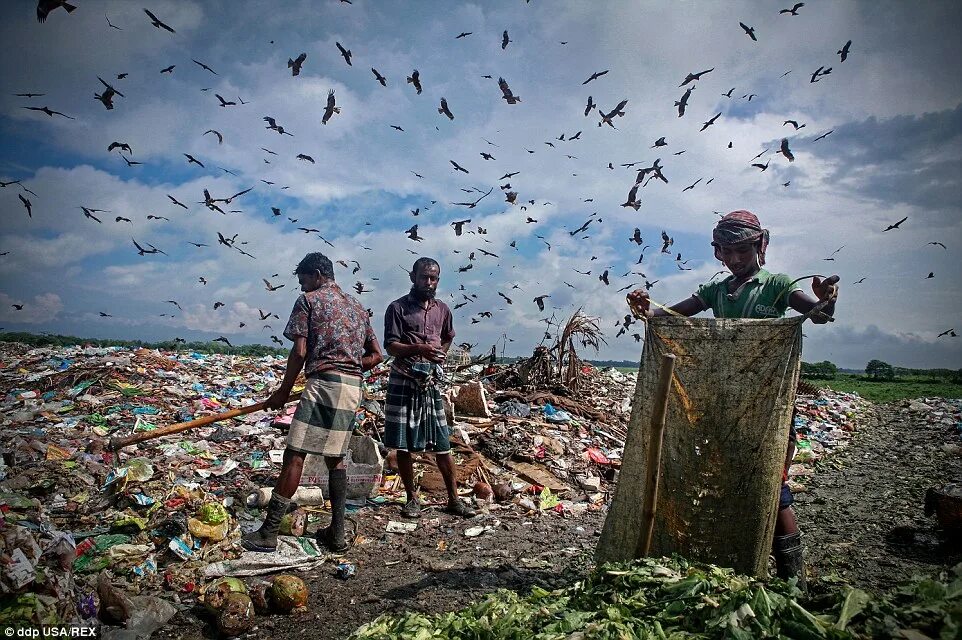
(434,354)
(826,289)
(276,400)
(640,304)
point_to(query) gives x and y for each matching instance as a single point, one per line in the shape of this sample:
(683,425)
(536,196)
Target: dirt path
(863,513)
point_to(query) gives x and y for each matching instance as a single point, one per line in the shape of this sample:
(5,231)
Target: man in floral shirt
(334,343)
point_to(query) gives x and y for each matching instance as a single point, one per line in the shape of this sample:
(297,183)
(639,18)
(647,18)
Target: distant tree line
(823,370)
(51,340)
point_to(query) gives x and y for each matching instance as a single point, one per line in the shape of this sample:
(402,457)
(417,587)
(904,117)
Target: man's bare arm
(295,362)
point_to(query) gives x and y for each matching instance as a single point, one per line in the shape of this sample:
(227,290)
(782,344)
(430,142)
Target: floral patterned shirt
(337,328)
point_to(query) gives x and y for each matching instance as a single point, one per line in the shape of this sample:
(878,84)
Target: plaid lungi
(414,416)
(324,419)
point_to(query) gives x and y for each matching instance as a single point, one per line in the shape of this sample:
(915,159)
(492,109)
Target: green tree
(878,370)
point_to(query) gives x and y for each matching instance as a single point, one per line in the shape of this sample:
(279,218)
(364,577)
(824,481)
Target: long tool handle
(119,443)
(653,465)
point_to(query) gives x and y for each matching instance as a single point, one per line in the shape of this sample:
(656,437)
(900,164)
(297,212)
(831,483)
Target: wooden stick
(119,443)
(653,465)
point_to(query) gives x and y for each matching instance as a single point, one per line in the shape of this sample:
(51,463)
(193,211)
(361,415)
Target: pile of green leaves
(672,599)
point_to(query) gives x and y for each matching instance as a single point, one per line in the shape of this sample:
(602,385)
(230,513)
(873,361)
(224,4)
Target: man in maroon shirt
(334,343)
(418,331)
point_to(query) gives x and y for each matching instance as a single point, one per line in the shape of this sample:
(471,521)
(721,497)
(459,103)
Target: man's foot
(265,538)
(459,508)
(412,509)
(327,538)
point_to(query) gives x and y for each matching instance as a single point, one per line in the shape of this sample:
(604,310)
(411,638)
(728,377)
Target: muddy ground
(862,515)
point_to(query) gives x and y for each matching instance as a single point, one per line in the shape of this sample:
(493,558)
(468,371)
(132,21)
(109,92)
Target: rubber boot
(788,558)
(265,538)
(332,536)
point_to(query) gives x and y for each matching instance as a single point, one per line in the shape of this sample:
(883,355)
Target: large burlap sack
(726,435)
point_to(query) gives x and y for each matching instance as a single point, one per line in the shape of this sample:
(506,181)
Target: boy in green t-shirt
(750,291)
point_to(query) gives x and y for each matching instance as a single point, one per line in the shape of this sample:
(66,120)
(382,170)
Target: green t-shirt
(756,298)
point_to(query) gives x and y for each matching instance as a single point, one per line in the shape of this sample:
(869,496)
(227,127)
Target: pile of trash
(824,421)
(130,537)
(673,598)
(937,413)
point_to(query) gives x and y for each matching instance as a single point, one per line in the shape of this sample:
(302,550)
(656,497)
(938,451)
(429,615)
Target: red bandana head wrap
(738,227)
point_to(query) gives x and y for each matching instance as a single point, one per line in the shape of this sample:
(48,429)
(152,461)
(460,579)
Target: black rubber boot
(788,558)
(332,536)
(265,538)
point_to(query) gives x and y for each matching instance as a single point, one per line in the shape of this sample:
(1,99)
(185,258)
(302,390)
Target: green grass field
(904,387)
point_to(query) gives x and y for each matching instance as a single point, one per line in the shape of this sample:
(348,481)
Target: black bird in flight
(762,166)
(224,103)
(681,104)
(710,122)
(821,71)
(123,146)
(843,52)
(415,79)
(505,40)
(329,109)
(617,111)
(26,205)
(595,76)
(220,137)
(169,69)
(636,237)
(948,332)
(30,95)
(224,340)
(692,185)
(695,76)
(632,200)
(729,94)
(794,10)
(44,7)
(444,110)
(192,160)
(154,20)
(939,244)
(540,302)
(660,142)
(896,225)
(295,64)
(506,90)
(198,62)
(459,225)
(785,151)
(380,78)
(111,24)
(271,287)
(463,34)
(794,123)
(49,112)
(591,105)
(412,234)
(345,53)
(749,30)
(107,96)
(304,156)
(178,203)
(824,135)
(604,277)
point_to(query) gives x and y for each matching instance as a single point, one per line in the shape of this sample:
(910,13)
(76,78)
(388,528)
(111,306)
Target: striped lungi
(414,416)
(324,419)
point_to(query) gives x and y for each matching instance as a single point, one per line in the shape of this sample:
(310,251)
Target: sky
(878,140)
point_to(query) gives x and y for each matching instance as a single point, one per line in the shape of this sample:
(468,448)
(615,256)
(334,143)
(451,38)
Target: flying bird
(224,103)
(463,34)
(50,112)
(154,20)
(220,137)
(505,40)
(443,109)
(458,167)
(824,135)
(330,109)
(762,166)
(948,332)
(632,200)
(604,277)
(304,156)
(18,307)
(192,160)
(107,96)
(380,78)
(710,122)
(843,52)
(44,7)
(26,205)
(938,244)
(931,275)
(749,30)
(595,76)
(695,76)
(506,90)
(683,103)
(785,151)
(271,287)
(895,225)
(794,10)
(540,301)
(345,53)
(660,142)
(415,79)
(201,64)
(294,64)
(794,123)
(169,69)
(123,146)
(617,111)
(412,234)
(224,340)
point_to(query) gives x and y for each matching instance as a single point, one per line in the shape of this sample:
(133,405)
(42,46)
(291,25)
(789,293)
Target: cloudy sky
(878,140)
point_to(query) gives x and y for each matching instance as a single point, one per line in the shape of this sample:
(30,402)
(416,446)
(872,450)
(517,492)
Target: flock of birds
(607,116)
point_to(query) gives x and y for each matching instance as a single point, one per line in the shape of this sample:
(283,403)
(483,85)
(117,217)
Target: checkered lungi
(324,419)
(414,416)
